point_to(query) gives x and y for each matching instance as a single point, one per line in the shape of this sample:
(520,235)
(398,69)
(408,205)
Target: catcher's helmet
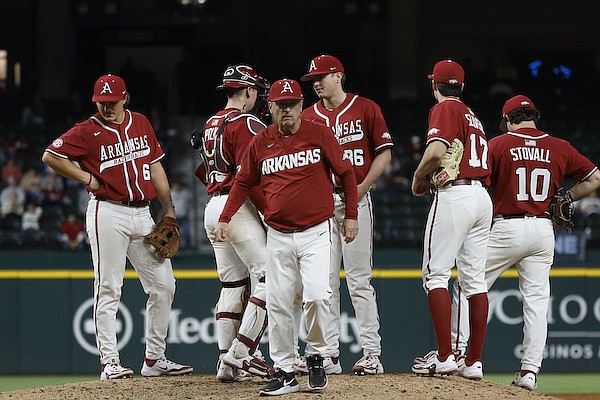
(241,76)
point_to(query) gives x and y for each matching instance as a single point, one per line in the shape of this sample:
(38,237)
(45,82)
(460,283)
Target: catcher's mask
(241,76)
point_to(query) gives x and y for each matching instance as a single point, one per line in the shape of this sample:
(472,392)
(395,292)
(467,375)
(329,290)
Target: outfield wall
(45,309)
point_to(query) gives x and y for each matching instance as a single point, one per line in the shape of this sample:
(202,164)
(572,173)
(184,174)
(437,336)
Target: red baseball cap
(109,88)
(448,71)
(518,101)
(285,89)
(321,65)
(241,76)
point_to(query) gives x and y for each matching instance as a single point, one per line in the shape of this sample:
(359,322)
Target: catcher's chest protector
(212,147)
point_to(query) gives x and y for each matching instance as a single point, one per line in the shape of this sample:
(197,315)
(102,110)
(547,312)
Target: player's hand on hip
(221,232)
(350,229)
(420,186)
(94,183)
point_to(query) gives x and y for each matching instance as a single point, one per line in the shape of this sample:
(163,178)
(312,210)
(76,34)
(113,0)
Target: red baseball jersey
(119,155)
(452,119)
(359,127)
(293,172)
(528,166)
(224,148)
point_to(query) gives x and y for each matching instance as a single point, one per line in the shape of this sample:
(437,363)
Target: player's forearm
(583,188)
(66,168)
(377,167)
(163,190)
(431,159)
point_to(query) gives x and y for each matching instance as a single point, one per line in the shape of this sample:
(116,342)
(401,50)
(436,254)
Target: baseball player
(459,221)
(291,161)
(527,167)
(119,161)
(360,129)
(225,139)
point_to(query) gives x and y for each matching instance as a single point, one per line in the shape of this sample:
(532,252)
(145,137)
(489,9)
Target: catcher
(527,165)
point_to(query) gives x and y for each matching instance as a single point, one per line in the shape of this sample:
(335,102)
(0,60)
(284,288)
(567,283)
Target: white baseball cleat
(527,381)
(300,366)
(332,365)
(251,364)
(164,367)
(115,371)
(227,374)
(422,359)
(369,364)
(473,371)
(433,365)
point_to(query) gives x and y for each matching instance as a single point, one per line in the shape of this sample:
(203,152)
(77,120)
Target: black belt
(338,190)
(218,193)
(515,216)
(460,182)
(134,203)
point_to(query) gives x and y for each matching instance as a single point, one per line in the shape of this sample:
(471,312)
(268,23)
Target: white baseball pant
(358,265)
(115,232)
(527,243)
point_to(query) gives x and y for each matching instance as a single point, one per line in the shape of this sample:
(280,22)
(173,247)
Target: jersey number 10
(539,184)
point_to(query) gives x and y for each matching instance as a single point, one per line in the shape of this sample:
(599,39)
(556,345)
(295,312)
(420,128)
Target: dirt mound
(386,387)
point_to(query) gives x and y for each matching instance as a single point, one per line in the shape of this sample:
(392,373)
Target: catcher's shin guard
(253,325)
(229,310)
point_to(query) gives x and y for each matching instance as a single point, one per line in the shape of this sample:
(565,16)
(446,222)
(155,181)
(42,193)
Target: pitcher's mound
(341,387)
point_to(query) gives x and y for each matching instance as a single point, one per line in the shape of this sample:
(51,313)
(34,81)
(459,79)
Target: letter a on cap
(106,88)
(312,66)
(287,86)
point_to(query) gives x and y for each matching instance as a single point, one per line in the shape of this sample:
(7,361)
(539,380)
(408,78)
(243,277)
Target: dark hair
(524,114)
(232,92)
(446,89)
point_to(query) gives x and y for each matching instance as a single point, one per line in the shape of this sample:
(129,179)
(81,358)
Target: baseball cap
(285,89)
(109,88)
(518,101)
(239,76)
(321,65)
(448,71)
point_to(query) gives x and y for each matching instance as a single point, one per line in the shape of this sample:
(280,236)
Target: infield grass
(547,383)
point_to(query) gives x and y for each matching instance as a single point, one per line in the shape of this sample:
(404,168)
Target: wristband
(90,182)
(170,204)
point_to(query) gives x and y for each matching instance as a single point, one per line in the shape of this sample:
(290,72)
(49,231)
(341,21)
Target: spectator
(586,209)
(181,199)
(52,189)
(11,169)
(31,218)
(72,234)
(12,199)
(31,183)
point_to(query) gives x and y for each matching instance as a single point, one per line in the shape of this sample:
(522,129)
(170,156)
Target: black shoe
(281,383)
(317,379)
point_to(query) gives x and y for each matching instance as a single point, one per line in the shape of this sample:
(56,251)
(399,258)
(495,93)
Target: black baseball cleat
(317,378)
(281,383)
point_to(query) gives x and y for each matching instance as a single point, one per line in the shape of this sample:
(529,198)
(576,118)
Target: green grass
(547,383)
(557,383)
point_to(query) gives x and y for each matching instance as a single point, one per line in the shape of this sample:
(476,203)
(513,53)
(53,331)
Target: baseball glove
(561,209)
(450,166)
(165,237)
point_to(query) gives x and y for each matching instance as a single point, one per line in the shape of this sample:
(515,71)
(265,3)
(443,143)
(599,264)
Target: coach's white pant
(296,262)
(116,232)
(358,266)
(527,243)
